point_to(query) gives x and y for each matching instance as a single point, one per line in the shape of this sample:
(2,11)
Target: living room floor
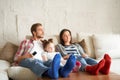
(86,76)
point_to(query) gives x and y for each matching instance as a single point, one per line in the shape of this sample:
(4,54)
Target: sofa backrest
(107,43)
(78,38)
(97,44)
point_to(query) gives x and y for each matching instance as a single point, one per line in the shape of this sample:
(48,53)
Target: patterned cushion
(8,52)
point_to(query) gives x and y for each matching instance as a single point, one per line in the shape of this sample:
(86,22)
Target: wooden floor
(86,76)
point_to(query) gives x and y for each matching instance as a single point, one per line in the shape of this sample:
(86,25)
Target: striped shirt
(75,49)
(71,49)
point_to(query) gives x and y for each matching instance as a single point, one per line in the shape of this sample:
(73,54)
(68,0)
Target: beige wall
(92,16)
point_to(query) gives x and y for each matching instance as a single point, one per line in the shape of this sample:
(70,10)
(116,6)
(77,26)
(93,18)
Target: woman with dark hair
(66,47)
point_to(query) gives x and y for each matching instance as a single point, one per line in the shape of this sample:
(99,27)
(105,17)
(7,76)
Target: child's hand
(66,57)
(44,57)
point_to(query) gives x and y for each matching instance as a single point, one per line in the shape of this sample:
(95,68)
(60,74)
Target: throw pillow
(84,46)
(89,42)
(8,52)
(107,43)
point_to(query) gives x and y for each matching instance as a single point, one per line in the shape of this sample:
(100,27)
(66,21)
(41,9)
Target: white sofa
(4,65)
(99,44)
(94,45)
(6,58)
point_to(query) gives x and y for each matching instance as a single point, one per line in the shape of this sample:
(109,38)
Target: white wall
(93,16)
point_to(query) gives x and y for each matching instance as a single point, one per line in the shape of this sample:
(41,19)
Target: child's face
(50,48)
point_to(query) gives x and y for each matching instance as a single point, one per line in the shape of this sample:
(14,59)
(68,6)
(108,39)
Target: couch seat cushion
(21,73)
(3,75)
(4,65)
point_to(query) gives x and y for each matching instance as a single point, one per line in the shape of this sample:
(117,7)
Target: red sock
(78,63)
(95,68)
(106,67)
(76,67)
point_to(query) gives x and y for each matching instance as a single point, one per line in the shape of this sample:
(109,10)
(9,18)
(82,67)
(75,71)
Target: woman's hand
(84,55)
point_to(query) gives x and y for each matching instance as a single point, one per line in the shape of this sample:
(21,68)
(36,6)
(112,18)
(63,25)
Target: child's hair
(46,42)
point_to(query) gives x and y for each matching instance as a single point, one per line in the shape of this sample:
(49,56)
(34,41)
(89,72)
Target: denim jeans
(36,66)
(85,61)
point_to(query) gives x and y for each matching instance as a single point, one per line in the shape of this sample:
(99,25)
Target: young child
(49,54)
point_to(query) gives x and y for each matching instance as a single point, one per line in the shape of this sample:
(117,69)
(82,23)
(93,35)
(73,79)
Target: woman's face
(66,37)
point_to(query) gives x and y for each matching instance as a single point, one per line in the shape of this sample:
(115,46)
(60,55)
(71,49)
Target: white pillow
(3,75)
(21,73)
(107,43)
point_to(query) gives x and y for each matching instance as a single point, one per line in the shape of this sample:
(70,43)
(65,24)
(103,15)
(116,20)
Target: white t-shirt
(52,55)
(38,47)
(49,55)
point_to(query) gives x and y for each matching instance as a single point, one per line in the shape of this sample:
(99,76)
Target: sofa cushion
(3,75)
(107,43)
(8,52)
(21,73)
(83,45)
(88,40)
(4,65)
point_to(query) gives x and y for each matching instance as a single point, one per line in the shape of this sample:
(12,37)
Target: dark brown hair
(46,42)
(61,34)
(34,27)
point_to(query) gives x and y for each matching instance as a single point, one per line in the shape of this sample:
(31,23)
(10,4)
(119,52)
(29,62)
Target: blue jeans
(85,61)
(36,66)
